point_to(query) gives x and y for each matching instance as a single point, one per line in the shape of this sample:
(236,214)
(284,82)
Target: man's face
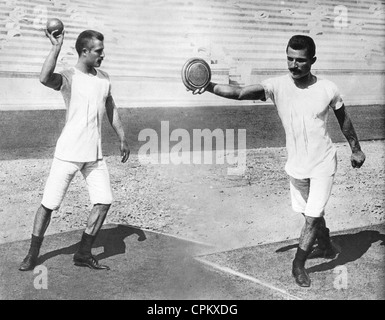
(298,62)
(95,53)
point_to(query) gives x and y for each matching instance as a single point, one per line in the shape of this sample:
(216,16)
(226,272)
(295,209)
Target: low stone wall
(41,128)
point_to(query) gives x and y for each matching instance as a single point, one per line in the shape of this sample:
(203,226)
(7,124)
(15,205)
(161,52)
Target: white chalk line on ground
(249,278)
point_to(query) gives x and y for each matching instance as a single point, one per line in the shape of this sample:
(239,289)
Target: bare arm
(252,92)
(47,75)
(114,119)
(346,125)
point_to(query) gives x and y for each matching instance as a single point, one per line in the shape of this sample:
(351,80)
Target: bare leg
(325,249)
(96,218)
(42,220)
(309,233)
(308,236)
(83,256)
(323,237)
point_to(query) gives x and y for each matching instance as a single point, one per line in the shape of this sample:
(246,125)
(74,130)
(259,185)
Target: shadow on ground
(111,240)
(147,265)
(357,273)
(351,247)
(144,266)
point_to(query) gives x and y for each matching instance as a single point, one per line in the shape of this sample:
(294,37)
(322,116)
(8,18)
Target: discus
(196,74)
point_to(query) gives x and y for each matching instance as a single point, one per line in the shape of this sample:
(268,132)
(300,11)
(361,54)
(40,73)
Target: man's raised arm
(47,75)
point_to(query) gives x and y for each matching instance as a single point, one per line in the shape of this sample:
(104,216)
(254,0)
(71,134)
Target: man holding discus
(303,101)
(87,95)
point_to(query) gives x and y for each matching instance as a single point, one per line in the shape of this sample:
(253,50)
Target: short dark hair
(85,37)
(300,42)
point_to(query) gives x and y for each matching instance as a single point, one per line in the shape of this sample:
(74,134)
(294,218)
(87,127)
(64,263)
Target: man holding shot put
(87,95)
(303,101)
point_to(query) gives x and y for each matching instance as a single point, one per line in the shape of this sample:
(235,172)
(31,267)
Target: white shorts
(61,174)
(310,196)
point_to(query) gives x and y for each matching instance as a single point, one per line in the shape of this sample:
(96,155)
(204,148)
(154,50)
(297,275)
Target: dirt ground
(196,202)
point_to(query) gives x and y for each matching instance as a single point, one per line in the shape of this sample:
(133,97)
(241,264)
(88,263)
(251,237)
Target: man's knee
(45,209)
(102,206)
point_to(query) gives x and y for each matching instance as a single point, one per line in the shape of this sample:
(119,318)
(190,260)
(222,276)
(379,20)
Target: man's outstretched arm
(252,92)
(346,125)
(114,119)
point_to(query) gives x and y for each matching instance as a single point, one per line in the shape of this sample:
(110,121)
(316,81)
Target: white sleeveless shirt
(304,115)
(85,99)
